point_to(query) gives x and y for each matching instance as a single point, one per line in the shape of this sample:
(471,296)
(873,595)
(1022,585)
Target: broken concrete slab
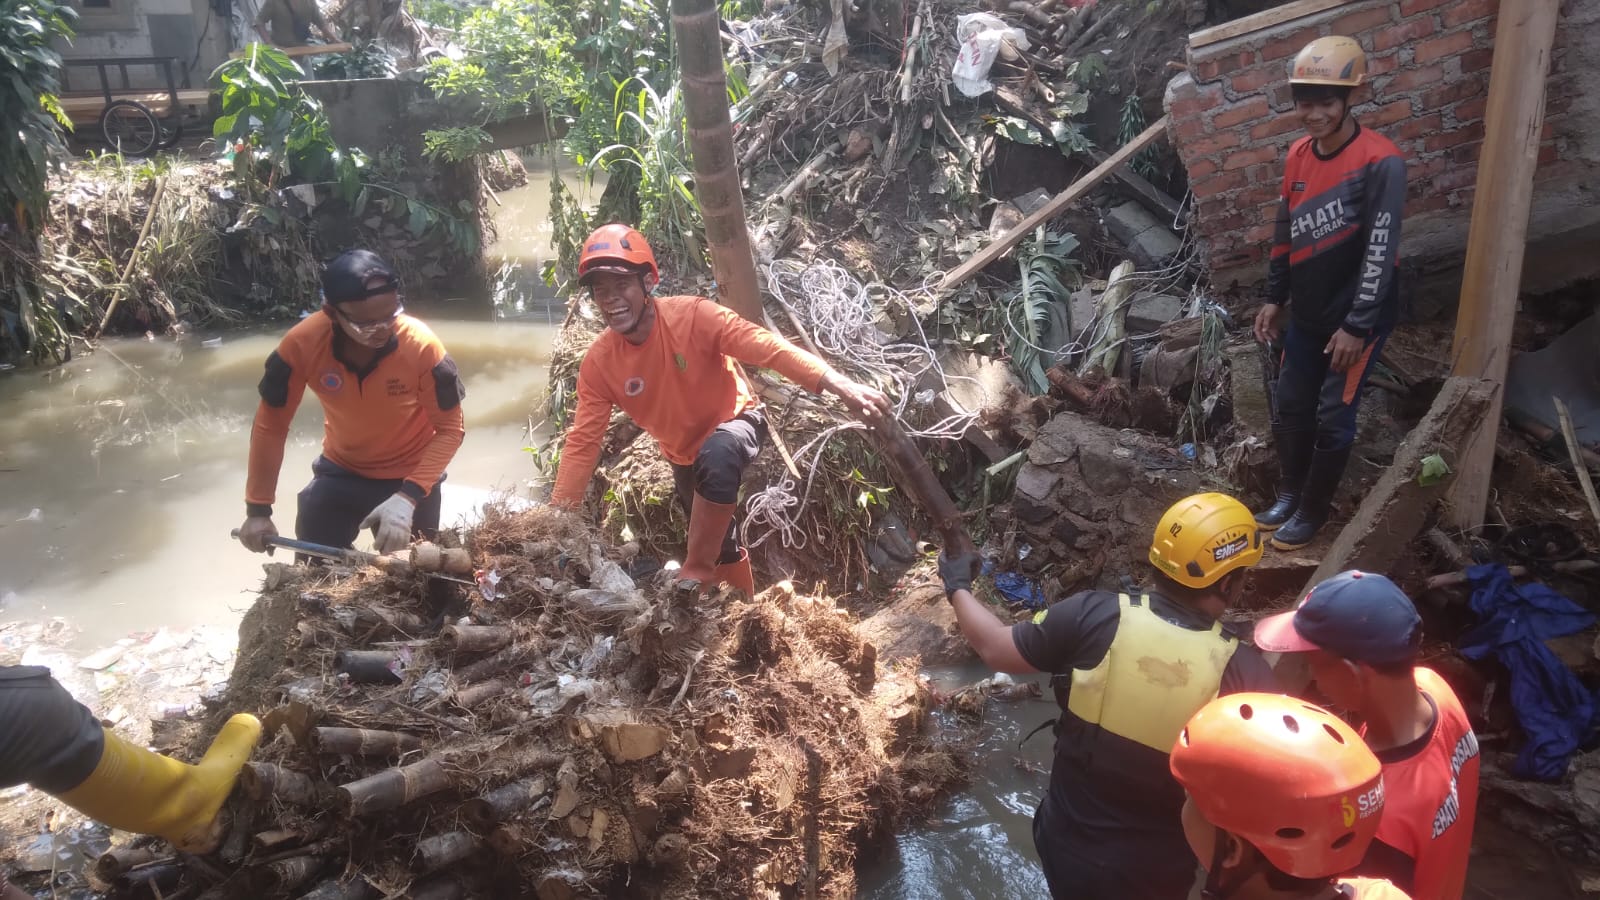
(1252,408)
(1149,312)
(1149,240)
(1398,507)
(973,384)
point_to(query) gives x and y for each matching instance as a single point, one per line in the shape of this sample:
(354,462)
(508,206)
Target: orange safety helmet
(1335,61)
(617,248)
(1290,778)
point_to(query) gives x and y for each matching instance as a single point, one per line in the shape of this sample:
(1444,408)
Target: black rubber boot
(1322,480)
(1294,458)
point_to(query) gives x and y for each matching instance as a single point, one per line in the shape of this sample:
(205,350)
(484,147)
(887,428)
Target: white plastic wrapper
(980,36)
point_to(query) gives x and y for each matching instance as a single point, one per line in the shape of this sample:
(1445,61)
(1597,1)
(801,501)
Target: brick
(1261,193)
(1463,197)
(1279,123)
(1387,114)
(1361,22)
(1382,63)
(1444,95)
(1479,59)
(1282,97)
(1421,171)
(1251,80)
(1222,140)
(1239,159)
(1548,153)
(1217,184)
(1433,202)
(1470,110)
(1259,233)
(1464,11)
(1247,256)
(1409,8)
(1200,168)
(1436,48)
(1211,68)
(1213,207)
(1414,78)
(1455,178)
(1193,98)
(1239,113)
(1285,47)
(1406,32)
(1233,221)
(1189,129)
(1466,154)
(1444,140)
(1421,126)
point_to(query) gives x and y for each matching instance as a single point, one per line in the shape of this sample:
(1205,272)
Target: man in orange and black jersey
(1334,267)
(391,402)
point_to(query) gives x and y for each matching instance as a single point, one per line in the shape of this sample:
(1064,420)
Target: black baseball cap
(1355,615)
(345,278)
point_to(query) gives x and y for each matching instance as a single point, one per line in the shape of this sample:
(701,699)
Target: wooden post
(1499,230)
(697,27)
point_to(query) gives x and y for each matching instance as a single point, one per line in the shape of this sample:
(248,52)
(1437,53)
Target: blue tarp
(1014,587)
(1556,711)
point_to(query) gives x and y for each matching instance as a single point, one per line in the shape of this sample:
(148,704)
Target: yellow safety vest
(1154,677)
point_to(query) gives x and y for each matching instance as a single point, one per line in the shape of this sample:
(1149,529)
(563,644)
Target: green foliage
(652,145)
(520,56)
(569,226)
(29,79)
(1064,134)
(1038,309)
(367,59)
(454,144)
(1133,122)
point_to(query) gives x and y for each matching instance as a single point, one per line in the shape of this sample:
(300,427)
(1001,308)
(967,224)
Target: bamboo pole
(505,801)
(476,638)
(393,788)
(1575,449)
(114,862)
(440,850)
(261,780)
(363,742)
(133,257)
(1498,235)
(368,666)
(696,25)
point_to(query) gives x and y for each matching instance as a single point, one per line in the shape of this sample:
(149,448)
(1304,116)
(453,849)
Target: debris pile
(569,732)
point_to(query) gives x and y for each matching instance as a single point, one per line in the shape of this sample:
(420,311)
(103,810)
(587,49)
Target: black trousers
(1122,870)
(47,739)
(718,470)
(332,506)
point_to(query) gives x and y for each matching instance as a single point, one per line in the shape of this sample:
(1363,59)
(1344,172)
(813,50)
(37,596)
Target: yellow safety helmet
(1204,537)
(1336,61)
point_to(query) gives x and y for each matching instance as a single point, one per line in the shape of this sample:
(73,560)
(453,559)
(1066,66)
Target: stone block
(1148,312)
(1035,483)
(1104,471)
(1252,409)
(1150,241)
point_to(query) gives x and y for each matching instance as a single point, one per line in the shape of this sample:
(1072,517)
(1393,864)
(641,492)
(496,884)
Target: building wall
(1231,122)
(189,30)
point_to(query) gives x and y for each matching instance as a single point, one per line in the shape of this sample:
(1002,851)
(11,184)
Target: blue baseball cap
(1355,615)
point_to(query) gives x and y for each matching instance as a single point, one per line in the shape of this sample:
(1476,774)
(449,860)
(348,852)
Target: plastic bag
(980,36)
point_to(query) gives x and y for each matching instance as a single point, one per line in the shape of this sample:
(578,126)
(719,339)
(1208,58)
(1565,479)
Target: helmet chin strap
(1218,885)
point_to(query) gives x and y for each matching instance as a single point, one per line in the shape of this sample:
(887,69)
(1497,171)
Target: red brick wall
(1231,121)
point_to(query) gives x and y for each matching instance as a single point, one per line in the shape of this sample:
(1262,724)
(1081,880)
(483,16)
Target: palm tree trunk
(716,168)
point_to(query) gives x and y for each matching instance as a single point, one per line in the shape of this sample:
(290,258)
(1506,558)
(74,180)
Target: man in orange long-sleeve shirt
(391,400)
(672,364)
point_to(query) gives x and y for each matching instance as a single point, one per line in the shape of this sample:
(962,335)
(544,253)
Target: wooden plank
(1072,194)
(304,50)
(1397,508)
(1261,21)
(87,107)
(1497,237)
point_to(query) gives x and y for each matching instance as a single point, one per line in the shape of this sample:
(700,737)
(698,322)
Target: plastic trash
(980,36)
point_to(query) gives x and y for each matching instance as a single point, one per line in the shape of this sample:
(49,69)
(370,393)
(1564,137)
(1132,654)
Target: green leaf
(420,220)
(1434,469)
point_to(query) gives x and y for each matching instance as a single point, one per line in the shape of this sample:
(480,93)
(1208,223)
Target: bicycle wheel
(171,132)
(130,127)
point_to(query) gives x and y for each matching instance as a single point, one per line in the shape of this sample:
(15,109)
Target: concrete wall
(189,30)
(1231,122)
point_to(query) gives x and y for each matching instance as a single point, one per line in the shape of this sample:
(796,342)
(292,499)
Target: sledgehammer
(351,557)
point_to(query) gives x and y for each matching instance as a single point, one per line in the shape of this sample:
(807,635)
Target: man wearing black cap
(1362,634)
(391,400)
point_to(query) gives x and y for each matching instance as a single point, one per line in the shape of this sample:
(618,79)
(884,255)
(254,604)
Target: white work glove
(391,523)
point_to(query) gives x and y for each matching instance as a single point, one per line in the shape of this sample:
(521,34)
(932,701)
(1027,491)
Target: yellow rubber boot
(133,789)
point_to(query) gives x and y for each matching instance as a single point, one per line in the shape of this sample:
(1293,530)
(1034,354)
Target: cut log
(280,877)
(978,261)
(489,666)
(440,850)
(263,780)
(1397,508)
(476,638)
(393,788)
(505,802)
(369,666)
(364,742)
(117,860)
(469,697)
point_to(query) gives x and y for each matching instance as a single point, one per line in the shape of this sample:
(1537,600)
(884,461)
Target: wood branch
(368,666)
(117,860)
(807,172)
(393,788)
(1497,237)
(1564,567)
(363,742)
(490,666)
(1575,450)
(469,697)
(263,780)
(133,256)
(1261,21)
(476,638)
(1080,188)
(1104,21)
(1447,548)
(436,852)
(917,479)
(505,802)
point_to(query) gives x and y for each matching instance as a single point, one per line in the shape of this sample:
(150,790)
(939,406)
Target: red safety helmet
(1290,778)
(617,248)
